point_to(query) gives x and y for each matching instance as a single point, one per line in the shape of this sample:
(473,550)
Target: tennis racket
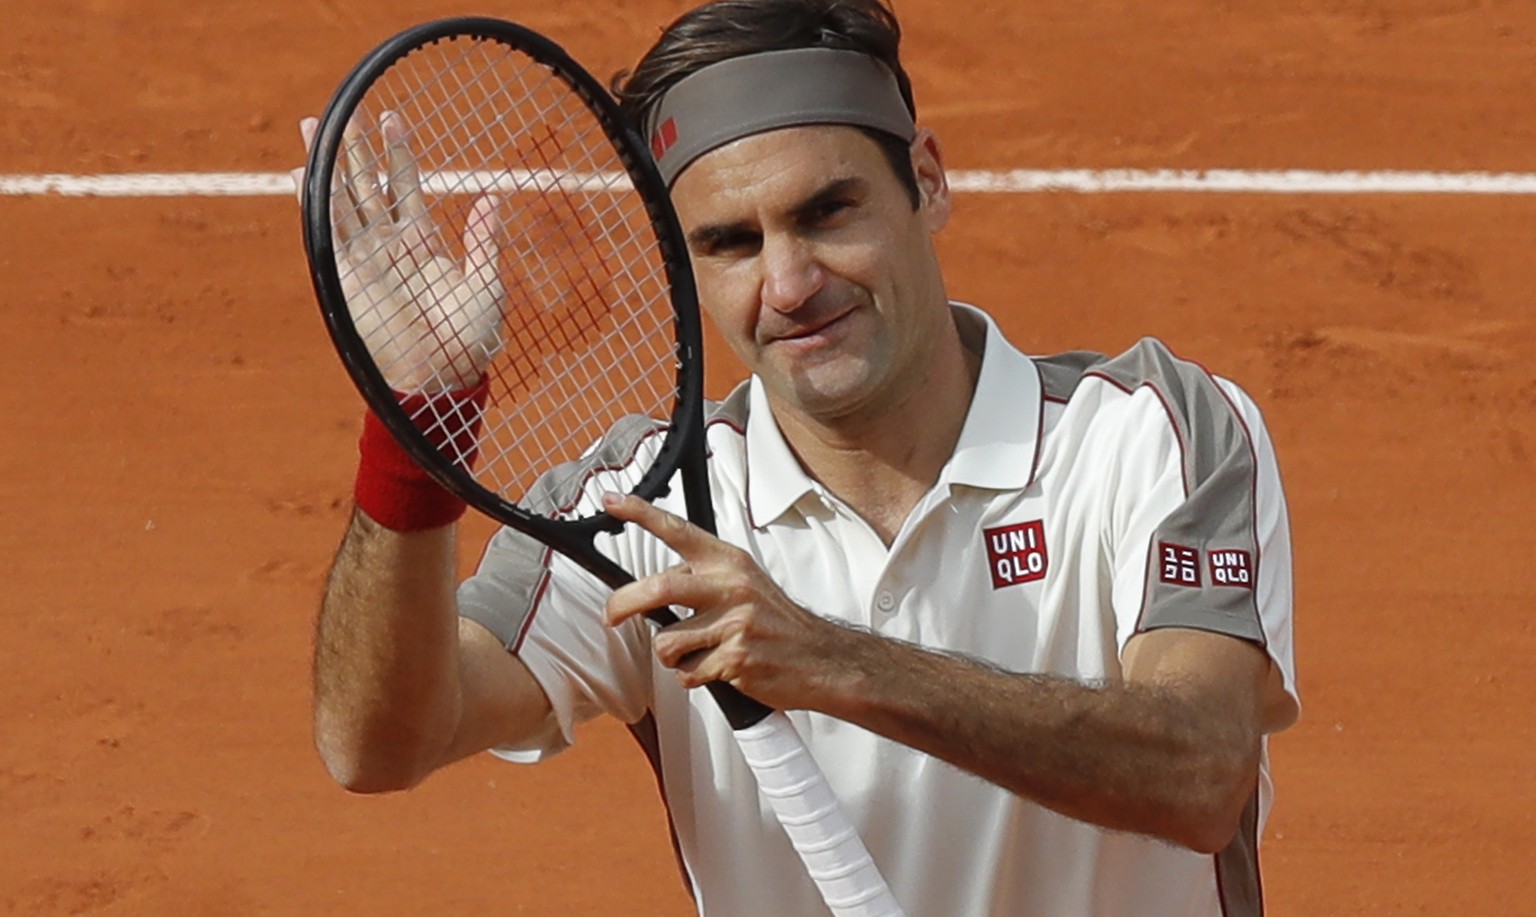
(501,272)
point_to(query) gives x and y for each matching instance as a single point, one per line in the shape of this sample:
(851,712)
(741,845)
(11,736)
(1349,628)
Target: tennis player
(1031,614)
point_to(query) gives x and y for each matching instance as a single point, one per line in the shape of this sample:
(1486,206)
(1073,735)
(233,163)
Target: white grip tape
(796,789)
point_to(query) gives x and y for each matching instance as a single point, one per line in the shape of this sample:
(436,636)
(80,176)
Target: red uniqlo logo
(1016,553)
(664,137)
(1232,568)
(1180,565)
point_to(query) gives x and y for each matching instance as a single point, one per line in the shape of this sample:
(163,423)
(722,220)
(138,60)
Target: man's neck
(881,463)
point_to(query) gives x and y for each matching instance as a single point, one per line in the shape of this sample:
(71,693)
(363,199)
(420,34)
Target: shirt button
(885,601)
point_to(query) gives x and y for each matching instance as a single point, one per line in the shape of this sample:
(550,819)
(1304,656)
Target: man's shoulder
(1147,387)
(1149,362)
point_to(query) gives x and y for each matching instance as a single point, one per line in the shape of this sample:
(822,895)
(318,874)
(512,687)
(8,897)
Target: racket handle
(797,790)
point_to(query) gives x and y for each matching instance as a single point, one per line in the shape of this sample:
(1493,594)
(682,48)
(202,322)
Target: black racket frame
(682,448)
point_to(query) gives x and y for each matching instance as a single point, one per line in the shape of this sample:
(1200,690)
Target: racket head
(600,322)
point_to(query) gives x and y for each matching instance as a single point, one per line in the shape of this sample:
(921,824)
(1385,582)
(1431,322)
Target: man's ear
(932,184)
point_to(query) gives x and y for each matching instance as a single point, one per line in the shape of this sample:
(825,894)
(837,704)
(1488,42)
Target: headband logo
(664,138)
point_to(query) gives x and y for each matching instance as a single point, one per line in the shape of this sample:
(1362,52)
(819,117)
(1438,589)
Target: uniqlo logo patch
(1016,553)
(1232,568)
(1179,566)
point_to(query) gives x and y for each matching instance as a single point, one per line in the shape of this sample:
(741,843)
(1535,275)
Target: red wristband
(396,492)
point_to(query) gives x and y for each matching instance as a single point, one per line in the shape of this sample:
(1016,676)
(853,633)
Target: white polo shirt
(1088,499)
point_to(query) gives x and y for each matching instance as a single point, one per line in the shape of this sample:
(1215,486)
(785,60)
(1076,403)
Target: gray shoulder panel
(1214,527)
(1207,426)
(1060,374)
(504,592)
(1202,561)
(562,491)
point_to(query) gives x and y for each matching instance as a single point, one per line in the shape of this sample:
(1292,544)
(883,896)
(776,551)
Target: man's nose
(791,272)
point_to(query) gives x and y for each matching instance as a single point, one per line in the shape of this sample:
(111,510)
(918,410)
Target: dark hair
(724,29)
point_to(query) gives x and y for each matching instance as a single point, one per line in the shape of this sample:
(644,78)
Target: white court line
(1017,181)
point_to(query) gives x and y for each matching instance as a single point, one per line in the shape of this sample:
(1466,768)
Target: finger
(713,659)
(363,176)
(675,587)
(307,128)
(482,246)
(631,600)
(707,593)
(685,644)
(682,536)
(343,213)
(404,172)
(702,668)
(343,216)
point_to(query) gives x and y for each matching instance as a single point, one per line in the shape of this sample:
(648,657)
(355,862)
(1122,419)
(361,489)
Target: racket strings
(514,251)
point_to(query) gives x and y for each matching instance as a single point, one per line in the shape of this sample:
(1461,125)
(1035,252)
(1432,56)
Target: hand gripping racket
(499,266)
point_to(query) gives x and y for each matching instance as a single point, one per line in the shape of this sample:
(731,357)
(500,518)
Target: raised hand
(432,324)
(744,631)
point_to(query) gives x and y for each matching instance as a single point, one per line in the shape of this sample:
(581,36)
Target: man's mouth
(811,330)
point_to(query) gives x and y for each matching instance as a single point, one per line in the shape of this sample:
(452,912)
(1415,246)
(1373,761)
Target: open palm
(432,324)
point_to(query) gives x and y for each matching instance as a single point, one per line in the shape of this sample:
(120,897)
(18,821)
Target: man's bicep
(503,704)
(1238,672)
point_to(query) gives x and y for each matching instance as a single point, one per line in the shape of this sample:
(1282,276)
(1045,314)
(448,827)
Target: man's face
(814,266)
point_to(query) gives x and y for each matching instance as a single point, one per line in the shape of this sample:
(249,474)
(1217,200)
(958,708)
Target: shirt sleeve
(549,612)
(1199,532)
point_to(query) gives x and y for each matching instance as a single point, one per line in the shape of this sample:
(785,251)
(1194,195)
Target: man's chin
(826,390)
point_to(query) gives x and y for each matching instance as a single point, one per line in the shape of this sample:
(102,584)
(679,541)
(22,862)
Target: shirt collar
(775,478)
(998,446)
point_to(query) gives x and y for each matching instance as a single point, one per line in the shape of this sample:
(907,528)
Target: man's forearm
(1150,759)
(386,656)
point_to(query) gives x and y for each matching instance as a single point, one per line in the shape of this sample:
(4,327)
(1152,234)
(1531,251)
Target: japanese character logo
(1178,565)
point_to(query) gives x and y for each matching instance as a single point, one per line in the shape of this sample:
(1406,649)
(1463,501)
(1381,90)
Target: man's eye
(826,210)
(732,243)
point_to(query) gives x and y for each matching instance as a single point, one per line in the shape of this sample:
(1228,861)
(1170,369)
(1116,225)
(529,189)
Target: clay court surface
(178,438)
